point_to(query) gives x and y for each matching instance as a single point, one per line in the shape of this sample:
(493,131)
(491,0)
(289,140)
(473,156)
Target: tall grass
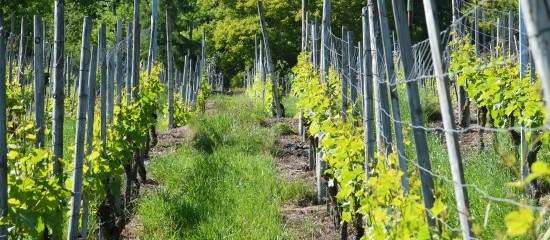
(482,168)
(290,106)
(223,185)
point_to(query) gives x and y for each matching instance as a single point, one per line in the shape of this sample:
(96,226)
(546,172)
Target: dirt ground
(469,140)
(309,221)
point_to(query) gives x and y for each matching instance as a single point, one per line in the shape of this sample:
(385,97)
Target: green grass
(484,169)
(282,128)
(223,184)
(69,133)
(290,106)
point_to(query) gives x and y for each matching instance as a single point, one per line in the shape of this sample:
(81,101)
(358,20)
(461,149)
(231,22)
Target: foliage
(204,93)
(389,212)
(130,128)
(183,111)
(36,198)
(230,25)
(262,93)
(495,83)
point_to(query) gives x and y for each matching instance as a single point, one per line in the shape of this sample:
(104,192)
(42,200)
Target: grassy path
(223,184)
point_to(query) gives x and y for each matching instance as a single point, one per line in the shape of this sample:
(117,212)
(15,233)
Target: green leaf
(519,222)
(12,155)
(438,207)
(538,169)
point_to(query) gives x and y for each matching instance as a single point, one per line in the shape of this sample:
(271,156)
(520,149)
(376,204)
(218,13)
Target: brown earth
(307,220)
(174,137)
(469,140)
(134,227)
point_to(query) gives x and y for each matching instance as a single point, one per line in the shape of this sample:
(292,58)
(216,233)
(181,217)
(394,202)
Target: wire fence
(495,33)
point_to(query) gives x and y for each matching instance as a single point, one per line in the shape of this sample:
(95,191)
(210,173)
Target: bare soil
(134,227)
(307,220)
(174,137)
(469,140)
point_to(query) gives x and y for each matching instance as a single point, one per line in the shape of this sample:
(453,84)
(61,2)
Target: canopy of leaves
(230,26)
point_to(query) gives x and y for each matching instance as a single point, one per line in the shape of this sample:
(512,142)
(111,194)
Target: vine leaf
(519,222)
(438,207)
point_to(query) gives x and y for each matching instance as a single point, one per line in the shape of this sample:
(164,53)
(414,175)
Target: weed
(282,128)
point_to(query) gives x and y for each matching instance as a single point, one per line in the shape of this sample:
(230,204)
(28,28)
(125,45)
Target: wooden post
(195,92)
(68,76)
(118,60)
(185,78)
(58,85)
(463,100)
(89,136)
(390,71)
(451,137)
(420,140)
(304,24)
(176,79)
(510,31)
(150,61)
(3,133)
(203,60)
(345,73)
(523,51)
(10,42)
(325,29)
(129,62)
(476,29)
(261,63)
(381,105)
(44,46)
(111,85)
(39,81)
(359,86)
(169,71)
(135,56)
(80,130)
(315,43)
(307,33)
(22,53)
(320,164)
(492,37)
(255,67)
(368,100)
(190,84)
(360,69)
(537,19)
(103,83)
(271,69)
(75,86)
(499,35)
(154,10)
(352,76)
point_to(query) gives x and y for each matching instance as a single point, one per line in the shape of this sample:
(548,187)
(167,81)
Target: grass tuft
(282,128)
(223,185)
